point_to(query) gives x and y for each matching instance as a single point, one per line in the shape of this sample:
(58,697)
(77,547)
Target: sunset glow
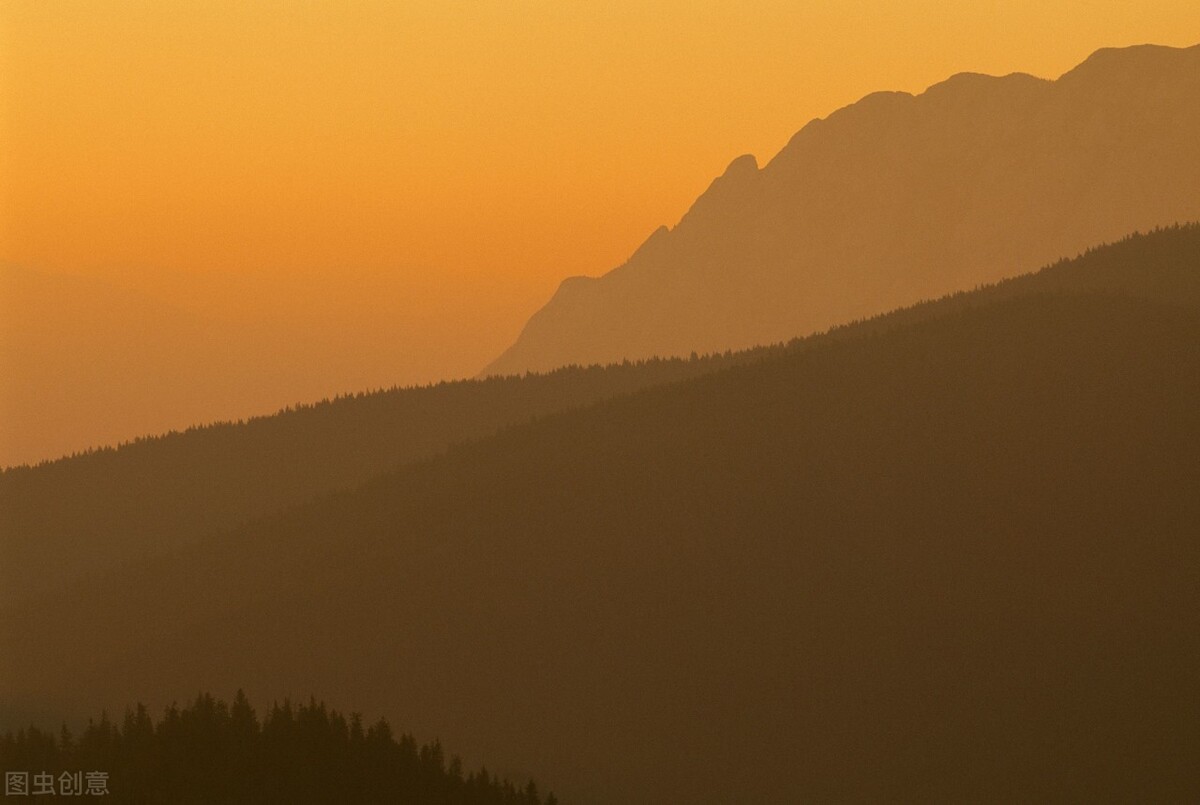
(414,179)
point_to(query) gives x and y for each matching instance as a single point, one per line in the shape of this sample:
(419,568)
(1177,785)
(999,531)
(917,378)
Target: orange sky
(435,167)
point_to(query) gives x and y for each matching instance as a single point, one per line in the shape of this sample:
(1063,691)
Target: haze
(335,198)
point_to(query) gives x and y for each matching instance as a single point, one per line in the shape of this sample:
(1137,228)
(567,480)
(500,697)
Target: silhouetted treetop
(209,751)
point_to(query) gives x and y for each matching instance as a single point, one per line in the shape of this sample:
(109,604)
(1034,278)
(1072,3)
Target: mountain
(894,199)
(947,555)
(92,512)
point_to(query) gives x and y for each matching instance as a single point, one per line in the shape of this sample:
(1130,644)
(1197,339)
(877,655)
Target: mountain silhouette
(891,200)
(89,513)
(944,555)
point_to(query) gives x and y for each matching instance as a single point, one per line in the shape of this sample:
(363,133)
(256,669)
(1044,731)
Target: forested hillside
(950,558)
(92,512)
(212,752)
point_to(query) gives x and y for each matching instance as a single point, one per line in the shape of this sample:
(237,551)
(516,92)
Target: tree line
(211,751)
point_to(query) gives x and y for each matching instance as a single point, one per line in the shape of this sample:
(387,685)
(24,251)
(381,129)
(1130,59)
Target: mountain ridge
(162,493)
(939,563)
(892,199)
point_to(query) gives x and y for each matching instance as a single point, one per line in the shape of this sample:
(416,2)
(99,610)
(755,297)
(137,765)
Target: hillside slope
(953,560)
(93,512)
(894,199)
(89,512)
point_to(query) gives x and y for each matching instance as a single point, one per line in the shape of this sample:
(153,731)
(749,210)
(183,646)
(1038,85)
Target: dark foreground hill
(952,560)
(92,512)
(212,752)
(891,200)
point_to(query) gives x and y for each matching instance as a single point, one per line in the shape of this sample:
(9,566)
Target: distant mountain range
(947,554)
(894,199)
(79,354)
